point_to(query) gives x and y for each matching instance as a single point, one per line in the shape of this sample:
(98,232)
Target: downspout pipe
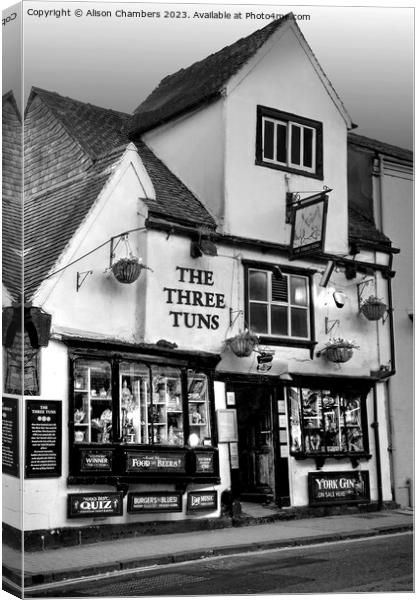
(375,426)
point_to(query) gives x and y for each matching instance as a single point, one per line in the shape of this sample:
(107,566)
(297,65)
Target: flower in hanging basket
(243,343)
(339,350)
(373,308)
(127,270)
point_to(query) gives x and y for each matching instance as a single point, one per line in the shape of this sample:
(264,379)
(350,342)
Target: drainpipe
(375,426)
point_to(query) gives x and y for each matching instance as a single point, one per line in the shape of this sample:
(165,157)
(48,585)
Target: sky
(116,61)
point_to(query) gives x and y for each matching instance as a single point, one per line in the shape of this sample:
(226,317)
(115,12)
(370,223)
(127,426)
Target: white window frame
(289,163)
(269,302)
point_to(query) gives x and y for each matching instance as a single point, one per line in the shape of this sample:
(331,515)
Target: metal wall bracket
(231,313)
(81,277)
(329,325)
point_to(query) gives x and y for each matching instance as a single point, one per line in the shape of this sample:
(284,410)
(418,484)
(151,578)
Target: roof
(12,195)
(379,147)
(204,81)
(199,83)
(57,206)
(362,229)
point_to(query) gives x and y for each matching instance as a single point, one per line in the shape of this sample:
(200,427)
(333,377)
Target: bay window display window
(92,402)
(326,422)
(198,408)
(131,402)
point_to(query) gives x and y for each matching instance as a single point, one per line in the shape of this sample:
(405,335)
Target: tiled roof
(66,170)
(199,83)
(12,196)
(173,200)
(380,147)
(362,229)
(96,129)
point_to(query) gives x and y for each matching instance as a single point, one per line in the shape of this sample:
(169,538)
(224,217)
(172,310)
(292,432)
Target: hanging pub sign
(201,501)
(10,437)
(95,460)
(156,462)
(101,504)
(155,502)
(309,219)
(43,438)
(338,487)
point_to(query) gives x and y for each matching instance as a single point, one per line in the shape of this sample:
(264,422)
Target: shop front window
(92,402)
(323,421)
(198,409)
(151,404)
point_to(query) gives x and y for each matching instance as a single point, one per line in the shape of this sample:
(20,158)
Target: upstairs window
(278,308)
(289,142)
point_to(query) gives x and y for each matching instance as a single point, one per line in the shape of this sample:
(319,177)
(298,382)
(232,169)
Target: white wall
(397,223)
(102,305)
(285,80)
(193,148)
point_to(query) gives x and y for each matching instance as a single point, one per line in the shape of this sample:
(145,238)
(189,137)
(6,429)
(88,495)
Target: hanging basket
(373,309)
(243,344)
(338,354)
(127,270)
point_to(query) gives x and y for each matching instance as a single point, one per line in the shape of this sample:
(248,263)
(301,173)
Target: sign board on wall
(201,501)
(95,460)
(204,462)
(227,425)
(101,504)
(43,439)
(338,487)
(10,437)
(158,462)
(146,502)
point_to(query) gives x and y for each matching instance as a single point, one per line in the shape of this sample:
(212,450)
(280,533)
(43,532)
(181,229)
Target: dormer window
(289,143)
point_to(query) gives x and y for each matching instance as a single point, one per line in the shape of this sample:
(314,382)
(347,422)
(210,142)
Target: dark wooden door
(256,450)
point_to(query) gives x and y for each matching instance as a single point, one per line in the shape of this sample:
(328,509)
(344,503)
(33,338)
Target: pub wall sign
(339,487)
(159,462)
(100,504)
(155,502)
(206,500)
(194,307)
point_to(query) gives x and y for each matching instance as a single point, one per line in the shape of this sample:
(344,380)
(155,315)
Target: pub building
(207,308)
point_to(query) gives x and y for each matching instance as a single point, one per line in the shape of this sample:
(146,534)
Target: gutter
(262,245)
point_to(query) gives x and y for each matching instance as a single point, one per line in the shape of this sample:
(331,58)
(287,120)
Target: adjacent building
(207,310)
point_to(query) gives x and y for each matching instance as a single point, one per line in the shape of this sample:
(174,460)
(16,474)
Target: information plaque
(10,437)
(43,439)
(101,504)
(338,487)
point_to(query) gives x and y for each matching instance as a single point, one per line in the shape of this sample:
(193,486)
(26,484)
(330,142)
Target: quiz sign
(95,505)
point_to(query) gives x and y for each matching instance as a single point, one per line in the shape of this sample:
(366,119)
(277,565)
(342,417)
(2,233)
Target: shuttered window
(278,306)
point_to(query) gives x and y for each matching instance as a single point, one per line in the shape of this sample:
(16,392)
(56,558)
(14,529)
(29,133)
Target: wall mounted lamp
(277,273)
(339,299)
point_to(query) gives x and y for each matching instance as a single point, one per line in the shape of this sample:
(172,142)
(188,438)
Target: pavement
(48,566)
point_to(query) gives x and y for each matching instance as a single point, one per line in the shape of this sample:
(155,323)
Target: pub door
(255,444)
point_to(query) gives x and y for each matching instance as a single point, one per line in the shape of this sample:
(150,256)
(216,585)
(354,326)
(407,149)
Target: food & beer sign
(146,462)
(343,487)
(95,505)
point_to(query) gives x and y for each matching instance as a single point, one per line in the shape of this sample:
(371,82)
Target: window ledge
(320,457)
(263,163)
(288,342)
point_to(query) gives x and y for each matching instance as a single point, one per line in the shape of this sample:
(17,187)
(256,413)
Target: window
(147,407)
(322,422)
(278,307)
(289,142)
